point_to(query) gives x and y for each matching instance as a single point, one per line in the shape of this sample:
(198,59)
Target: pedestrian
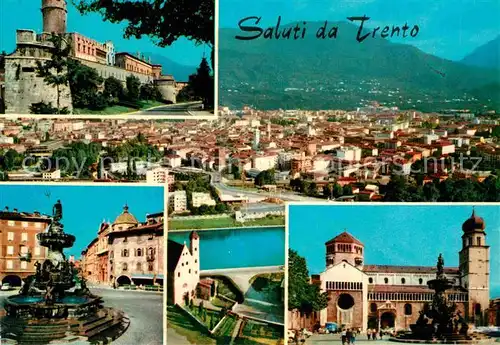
(353,337)
(343,336)
(381,334)
(369,333)
(348,335)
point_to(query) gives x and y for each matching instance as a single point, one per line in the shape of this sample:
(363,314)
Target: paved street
(145,310)
(179,109)
(326,339)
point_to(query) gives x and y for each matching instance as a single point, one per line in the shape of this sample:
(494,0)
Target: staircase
(104,325)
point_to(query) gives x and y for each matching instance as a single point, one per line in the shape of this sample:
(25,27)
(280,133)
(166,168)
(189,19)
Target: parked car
(306,333)
(331,327)
(6,287)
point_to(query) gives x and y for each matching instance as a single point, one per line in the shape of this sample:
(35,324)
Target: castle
(384,296)
(22,87)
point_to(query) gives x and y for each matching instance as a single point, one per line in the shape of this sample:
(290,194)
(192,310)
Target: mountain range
(180,72)
(314,73)
(487,55)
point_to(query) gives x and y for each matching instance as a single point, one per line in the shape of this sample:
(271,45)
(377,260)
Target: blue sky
(448,28)
(393,235)
(26,14)
(84,207)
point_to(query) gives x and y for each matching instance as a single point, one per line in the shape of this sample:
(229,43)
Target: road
(285,196)
(179,109)
(145,310)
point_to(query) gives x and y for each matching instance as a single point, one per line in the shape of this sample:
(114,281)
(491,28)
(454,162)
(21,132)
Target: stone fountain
(55,303)
(439,322)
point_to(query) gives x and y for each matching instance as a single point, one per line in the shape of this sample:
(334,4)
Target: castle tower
(55,15)
(344,247)
(474,259)
(194,247)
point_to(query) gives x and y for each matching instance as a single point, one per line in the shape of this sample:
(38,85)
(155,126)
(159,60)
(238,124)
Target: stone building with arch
(388,296)
(126,252)
(18,232)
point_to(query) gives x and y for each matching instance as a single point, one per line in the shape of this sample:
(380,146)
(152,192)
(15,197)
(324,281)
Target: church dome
(125,218)
(474,223)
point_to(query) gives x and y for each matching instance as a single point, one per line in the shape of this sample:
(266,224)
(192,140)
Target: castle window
(420,281)
(408,309)
(124,252)
(373,307)
(478,240)
(386,280)
(139,252)
(403,280)
(370,280)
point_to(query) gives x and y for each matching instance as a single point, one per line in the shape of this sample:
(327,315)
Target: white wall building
(178,200)
(202,199)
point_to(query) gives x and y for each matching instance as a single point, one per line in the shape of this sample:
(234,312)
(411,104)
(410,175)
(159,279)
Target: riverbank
(222,223)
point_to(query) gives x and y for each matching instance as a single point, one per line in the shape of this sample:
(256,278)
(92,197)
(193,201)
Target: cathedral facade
(391,297)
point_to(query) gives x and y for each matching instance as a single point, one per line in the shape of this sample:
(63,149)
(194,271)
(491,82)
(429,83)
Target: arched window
(408,309)
(386,280)
(373,307)
(478,240)
(139,252)
(370,280)
(403,280)
(420,281)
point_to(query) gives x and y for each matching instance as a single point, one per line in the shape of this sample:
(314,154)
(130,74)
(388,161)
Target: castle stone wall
(106,71)
(167,90)
(23,87)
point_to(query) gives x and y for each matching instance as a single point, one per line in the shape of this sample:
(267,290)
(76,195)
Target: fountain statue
(439,322)
(50,298)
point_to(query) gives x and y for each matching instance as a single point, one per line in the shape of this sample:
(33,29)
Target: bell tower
(474,259)
(55,15)
(344,247)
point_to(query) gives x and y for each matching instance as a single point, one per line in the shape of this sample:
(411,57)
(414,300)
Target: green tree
(113,88)
(202,83)
(150,92)
(337,190)
(265,177)
(133,85)
(54,71)
(85,82)
(347,190)
(301,294)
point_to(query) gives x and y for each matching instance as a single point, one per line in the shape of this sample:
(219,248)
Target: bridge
(241,276)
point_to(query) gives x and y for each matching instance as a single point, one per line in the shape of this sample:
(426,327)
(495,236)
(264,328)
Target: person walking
(369,333)
(343,336)
(353,337)
(348,335)
(381,334)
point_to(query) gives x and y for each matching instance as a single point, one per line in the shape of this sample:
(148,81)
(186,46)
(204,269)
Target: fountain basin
(34,307)
(52,239)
